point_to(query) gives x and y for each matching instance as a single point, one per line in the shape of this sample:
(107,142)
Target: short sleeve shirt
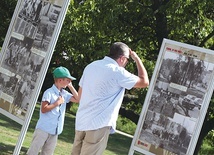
(52,121)
(103,86)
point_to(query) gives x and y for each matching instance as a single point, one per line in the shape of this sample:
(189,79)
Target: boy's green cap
(62,72)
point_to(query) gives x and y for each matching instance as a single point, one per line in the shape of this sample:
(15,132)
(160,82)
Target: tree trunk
(129,114)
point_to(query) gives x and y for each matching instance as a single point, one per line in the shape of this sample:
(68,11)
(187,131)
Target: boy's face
(64,82)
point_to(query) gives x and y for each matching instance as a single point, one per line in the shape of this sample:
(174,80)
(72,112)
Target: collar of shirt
(106,58)
(56,90)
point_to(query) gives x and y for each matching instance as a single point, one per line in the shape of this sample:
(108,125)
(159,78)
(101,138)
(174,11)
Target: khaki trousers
(44,142)
(92,142)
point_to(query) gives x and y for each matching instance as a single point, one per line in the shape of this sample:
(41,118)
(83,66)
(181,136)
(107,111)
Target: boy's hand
(60,100)
(70,84)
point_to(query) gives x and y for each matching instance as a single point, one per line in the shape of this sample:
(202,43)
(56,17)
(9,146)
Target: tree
(143,24)
(91,26)
(6,13)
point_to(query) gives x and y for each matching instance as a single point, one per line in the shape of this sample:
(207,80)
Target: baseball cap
(62,72)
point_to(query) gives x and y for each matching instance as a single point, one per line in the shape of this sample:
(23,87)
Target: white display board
(25,57)
(177,100)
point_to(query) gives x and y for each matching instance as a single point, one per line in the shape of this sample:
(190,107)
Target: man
(101,91)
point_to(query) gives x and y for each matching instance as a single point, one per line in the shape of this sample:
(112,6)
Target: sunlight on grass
(10,130)
(117,145)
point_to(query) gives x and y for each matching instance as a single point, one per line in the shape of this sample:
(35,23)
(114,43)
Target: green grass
(10,130)
(117,144)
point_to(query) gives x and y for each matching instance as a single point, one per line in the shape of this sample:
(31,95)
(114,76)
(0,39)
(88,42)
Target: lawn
(9,132)
(117,145)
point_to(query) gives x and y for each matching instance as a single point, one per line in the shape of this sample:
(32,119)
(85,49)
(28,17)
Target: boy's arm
(46,106)
(75,97)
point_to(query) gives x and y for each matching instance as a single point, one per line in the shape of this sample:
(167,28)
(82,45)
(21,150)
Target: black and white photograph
(21,101)
(32,36)
(37,19)
(25,56)
(176,101)
(18,89)
(17,54)
(25,28)
(181,85)
(23,65)
(8,83)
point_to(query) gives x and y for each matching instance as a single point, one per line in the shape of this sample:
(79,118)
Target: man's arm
(143,80)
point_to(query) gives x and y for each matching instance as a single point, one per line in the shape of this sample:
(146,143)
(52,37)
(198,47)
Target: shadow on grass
(68,132)
(6,149)
(9,123)
(117,144)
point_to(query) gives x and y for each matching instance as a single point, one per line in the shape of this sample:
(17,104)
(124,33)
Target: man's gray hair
(118,49)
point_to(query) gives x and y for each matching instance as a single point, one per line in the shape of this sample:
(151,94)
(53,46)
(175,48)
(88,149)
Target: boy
(52,113)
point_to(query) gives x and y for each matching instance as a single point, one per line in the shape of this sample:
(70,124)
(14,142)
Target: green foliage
(90,27)
(191,22)
(125,125)
(210,138)
(6,13)
(210,126)
(206,148)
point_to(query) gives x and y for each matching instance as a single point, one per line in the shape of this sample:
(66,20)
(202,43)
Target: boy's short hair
(62,72)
